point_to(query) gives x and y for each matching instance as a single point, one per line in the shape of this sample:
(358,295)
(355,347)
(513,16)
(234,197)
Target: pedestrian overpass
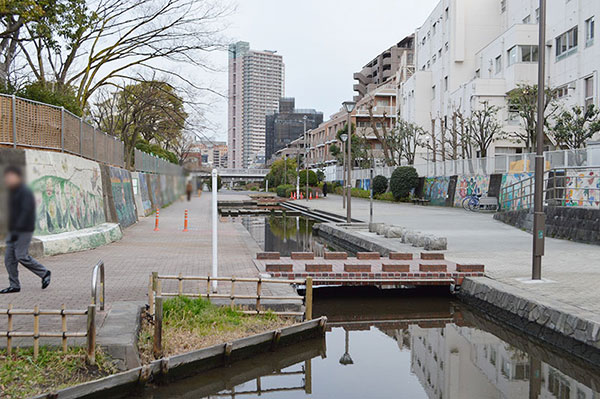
(234,175)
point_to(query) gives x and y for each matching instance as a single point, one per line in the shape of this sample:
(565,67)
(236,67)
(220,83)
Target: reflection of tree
(285,227)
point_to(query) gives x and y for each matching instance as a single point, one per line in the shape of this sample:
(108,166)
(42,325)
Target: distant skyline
(320,46)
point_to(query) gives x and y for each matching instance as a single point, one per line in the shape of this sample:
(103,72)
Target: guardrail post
(62,129)
(151,295)
(36,331)
(14,120)
(63,319)
(91,335)
(158,319)
(9,331)
(308,298)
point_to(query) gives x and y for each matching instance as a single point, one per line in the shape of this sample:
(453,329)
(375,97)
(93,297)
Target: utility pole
(539,218)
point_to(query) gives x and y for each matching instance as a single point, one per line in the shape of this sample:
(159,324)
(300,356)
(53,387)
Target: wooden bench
(488,204)
(420,201)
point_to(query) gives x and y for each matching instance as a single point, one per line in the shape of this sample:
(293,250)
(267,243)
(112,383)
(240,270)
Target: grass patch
(190,324)
(22,377)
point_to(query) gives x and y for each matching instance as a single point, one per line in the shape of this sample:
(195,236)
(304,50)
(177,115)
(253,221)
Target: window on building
(447,13)
(446,46)
(589,91)
(529,53)
(512,56)
(478,73)
(562,91)
(433,92)
(566,44)
(537,15)
(498,64)
(433,59)
(446,83)
(589,31)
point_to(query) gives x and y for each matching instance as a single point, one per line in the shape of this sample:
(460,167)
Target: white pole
(215,244)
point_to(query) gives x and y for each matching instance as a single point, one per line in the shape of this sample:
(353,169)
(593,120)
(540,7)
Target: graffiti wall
(518,195)
(141,194)
(582,189)
(122,190)
(470,185)
(67,189)
(435,190)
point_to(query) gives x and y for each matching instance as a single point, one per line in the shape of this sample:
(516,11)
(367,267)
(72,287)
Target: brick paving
(130,261)
(477,238)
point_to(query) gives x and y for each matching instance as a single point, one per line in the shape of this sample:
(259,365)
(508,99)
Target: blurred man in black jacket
(21,225)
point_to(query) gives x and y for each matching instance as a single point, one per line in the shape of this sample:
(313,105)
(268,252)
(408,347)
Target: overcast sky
(323,42)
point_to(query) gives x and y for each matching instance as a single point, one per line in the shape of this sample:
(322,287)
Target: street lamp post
(306,154)
(539,218)
(344,137)
(349,107)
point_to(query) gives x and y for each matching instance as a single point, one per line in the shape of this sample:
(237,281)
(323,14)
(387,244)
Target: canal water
(392,344)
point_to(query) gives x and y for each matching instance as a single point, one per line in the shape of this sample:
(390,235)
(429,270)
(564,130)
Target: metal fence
(32,124)
(500,164)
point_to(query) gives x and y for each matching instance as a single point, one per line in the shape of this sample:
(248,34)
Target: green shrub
(403,181)
(386,197)
(44,92)
(380,184)
(360,193)
(219,183)
(282,190)
(312,178)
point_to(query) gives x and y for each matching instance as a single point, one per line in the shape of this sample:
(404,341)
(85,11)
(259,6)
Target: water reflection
(282,233)
(381,348)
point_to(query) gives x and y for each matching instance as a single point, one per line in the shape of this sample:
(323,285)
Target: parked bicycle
(476,203)
(471,202)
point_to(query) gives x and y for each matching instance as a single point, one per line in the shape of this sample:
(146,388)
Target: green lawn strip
(190,324)
(22,377)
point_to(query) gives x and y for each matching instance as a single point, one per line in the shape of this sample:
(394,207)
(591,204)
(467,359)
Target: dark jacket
(21,204)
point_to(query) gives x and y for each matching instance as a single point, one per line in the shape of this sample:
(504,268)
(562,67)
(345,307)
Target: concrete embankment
(82,204)
(564,326)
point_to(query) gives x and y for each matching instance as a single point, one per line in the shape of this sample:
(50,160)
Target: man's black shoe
(10,290)
(46,280)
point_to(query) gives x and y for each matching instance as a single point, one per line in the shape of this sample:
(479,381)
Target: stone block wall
(568,223)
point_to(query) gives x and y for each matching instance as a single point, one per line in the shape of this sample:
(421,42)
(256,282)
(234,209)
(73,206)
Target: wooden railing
(64,334)
(156,295)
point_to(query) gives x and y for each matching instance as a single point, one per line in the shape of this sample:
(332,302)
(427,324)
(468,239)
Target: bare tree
(104,41)
(485,127)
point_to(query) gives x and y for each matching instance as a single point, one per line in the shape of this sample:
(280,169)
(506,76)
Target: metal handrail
(98,268)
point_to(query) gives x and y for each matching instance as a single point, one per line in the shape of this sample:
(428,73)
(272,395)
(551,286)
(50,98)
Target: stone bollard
(373,227)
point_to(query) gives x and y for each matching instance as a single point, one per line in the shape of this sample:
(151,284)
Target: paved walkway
(130,261)
(505,250)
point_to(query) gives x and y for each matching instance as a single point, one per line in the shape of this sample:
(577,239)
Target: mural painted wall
(470,185)
(582,189)
(141,193)
(122,190)
(517,196)
(436,190)
(67,189)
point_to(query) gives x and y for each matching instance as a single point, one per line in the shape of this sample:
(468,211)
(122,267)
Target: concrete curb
(558,324)
(81,240)
(188,364)
(119,334)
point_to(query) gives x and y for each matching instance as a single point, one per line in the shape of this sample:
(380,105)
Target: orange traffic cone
(156,221)
(310,195)
(317,195)
(185,221)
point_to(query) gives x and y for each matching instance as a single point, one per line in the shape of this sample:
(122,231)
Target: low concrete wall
(569,223)
(564,326)
(80,240)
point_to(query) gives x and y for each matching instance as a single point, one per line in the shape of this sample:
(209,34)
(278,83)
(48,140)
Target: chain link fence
(31,124)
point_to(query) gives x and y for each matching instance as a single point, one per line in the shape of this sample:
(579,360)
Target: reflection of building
(287,124)
(256,83)
(460,362)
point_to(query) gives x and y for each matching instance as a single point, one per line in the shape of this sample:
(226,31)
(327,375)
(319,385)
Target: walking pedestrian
(21,225)
(188,190)
(325,189)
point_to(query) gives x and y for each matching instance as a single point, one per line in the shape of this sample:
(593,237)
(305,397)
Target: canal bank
(563,307)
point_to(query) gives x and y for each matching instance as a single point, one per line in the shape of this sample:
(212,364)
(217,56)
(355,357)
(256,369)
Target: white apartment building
(471,51)
(256,83)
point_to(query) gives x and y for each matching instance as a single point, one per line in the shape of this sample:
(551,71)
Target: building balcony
(377,111)
(361,78)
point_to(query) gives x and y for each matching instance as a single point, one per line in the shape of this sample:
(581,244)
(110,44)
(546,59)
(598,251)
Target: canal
(394,343)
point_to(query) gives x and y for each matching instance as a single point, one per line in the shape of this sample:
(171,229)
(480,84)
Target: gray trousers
(18,252)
